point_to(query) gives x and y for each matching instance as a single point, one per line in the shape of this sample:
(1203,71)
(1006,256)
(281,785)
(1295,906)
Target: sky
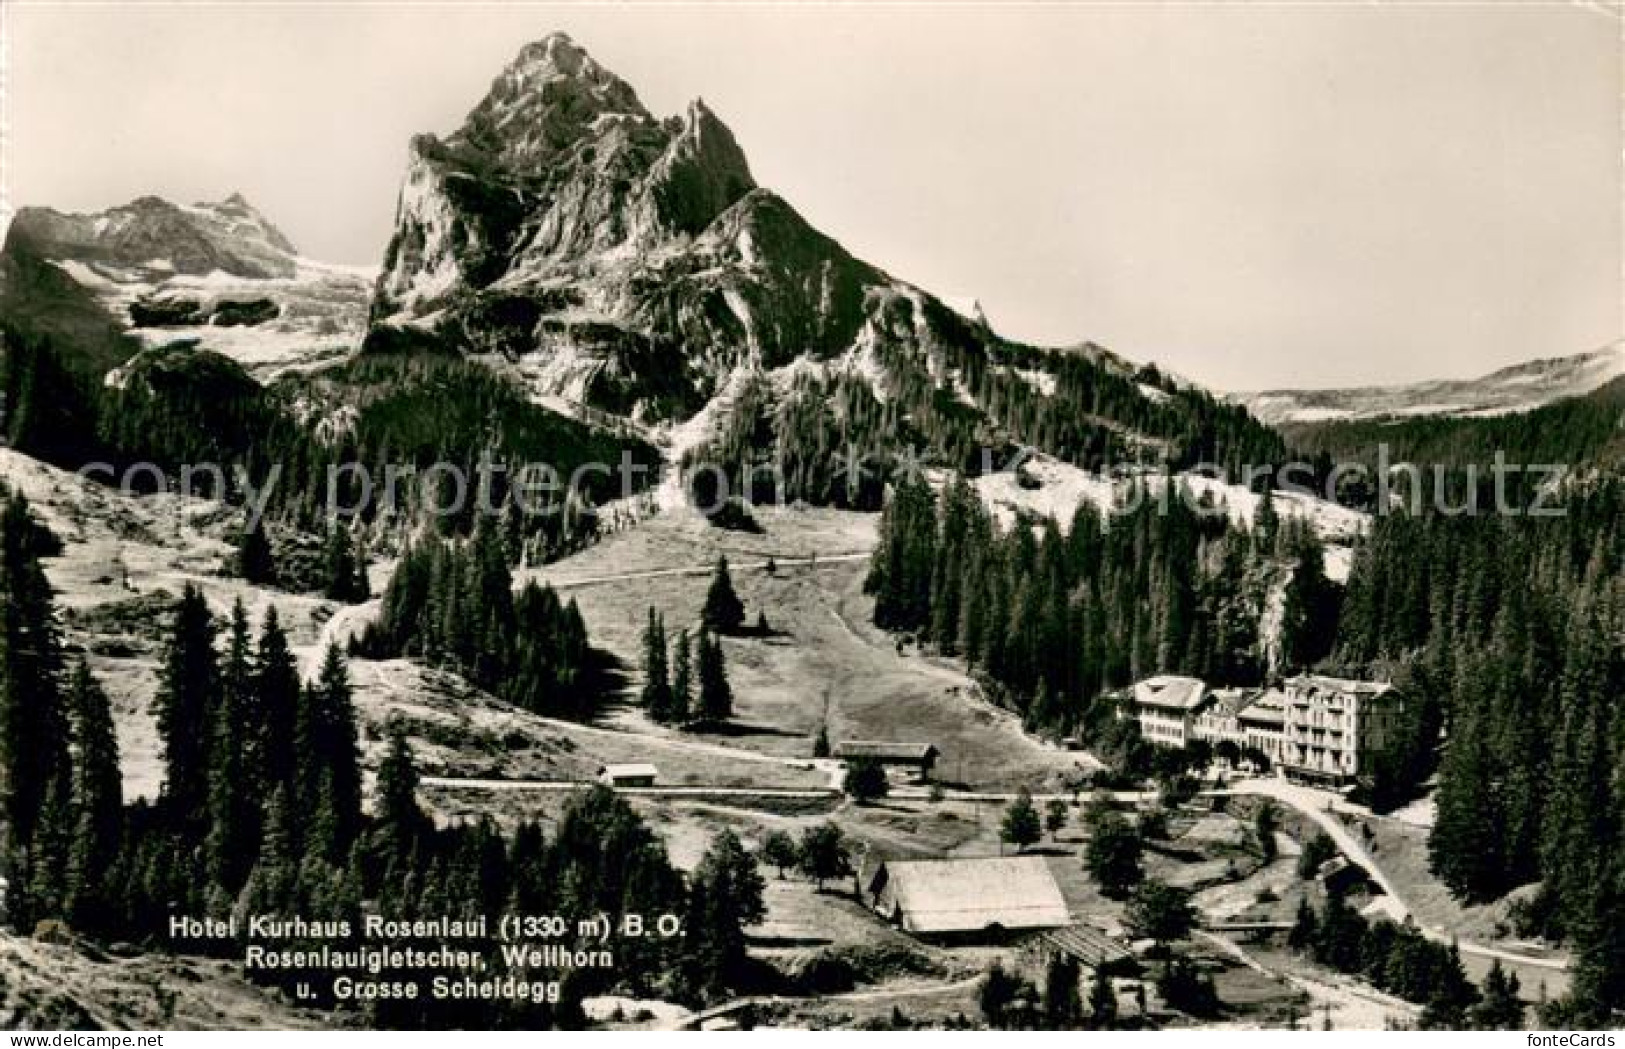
(1251,195)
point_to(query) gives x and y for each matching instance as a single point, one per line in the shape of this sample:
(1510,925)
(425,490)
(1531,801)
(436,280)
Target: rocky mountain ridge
(631,261)
(229,236)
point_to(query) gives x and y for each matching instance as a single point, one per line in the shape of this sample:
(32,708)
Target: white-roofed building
(639,774)
(982,897)
(1166,707)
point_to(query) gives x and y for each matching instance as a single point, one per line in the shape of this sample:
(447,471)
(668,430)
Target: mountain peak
(546,100)
(230,236)
(558,55)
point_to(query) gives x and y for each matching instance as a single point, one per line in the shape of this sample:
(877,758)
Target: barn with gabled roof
(978,898)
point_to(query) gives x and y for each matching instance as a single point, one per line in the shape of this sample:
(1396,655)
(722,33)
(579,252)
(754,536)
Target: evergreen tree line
(1579,432)
(1056,620)
(600,862)
(452,603)
(230,724)
(388,418)
(1400,960)
(1011,1002)
(260,814)
(829,440)
(60,790)
(1510,630)
(251,755)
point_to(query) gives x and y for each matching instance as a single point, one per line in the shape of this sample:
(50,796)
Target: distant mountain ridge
(1518,388)
(628,271)
(150,273)
(230,236)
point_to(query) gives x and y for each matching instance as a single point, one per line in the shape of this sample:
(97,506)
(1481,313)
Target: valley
(1038,688)
(824,666)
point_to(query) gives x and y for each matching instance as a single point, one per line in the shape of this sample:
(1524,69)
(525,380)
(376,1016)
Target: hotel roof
(1170,692)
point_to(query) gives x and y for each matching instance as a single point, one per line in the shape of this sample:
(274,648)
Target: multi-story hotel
(1314,728)
(1334,728)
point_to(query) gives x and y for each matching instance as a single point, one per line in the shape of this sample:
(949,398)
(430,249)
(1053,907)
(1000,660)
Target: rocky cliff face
(627,262)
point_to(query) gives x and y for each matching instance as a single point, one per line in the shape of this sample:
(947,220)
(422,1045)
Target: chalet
(1166,707)
(920,758)
(631,775)
(983,898)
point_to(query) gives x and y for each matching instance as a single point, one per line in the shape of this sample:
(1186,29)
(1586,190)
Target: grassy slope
(822,660)
(48,986)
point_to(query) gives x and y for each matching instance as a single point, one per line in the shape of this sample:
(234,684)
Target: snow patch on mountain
(1047,487)
(320,310)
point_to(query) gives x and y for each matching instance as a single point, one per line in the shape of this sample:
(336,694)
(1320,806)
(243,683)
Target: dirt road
(1312,804)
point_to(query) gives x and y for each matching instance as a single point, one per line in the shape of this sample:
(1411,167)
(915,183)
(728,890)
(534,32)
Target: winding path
(1311,804)
(542,575)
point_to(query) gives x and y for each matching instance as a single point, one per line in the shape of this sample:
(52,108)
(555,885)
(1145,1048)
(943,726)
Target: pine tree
(34,727)
(345,577)
(400,819)
(1266,821)
(1500,1008)
(97,804)
(328,780)
(233,816)
(1464,844)
(1305,928)
(187,692)
(715,702)
(998,991)
(726,896)
(900,573)
(682,677)
(1160,912)
(49,852)
(273,885)
(254,561)
(1596,998)
(723,612)
(658,698)
(1102,1001)
(1055,816)
(1266,522)
(271,717)
(1063,1007)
